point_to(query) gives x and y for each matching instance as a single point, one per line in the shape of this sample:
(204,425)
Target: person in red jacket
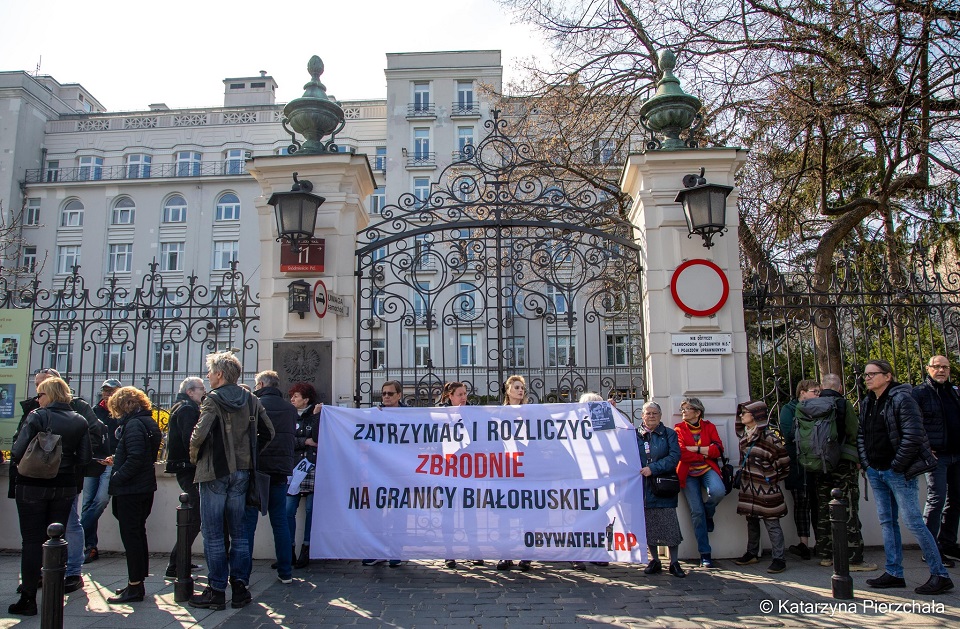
(700,448)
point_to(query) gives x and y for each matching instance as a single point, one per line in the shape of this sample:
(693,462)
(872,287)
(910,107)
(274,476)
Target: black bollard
(54,568)
(183,587)
(842,583)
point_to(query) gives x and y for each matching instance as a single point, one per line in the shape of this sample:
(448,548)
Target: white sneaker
(284,581)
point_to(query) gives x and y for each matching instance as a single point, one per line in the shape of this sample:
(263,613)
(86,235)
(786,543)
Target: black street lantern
(298,297)
(704,207)
(296,213)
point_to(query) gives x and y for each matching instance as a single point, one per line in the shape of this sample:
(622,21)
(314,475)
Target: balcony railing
(138,171)
(465,110)
(378,163)
(421,110)
(421,160)
(463,154)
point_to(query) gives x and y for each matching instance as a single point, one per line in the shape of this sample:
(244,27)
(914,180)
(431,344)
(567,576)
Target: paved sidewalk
(425,593)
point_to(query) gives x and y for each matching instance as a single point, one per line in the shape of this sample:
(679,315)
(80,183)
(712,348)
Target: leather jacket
(904,427)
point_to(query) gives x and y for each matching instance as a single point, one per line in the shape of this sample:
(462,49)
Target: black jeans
(132,511)
(37,508)
(185,479)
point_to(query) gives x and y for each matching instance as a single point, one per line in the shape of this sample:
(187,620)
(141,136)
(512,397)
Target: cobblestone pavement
(425,593)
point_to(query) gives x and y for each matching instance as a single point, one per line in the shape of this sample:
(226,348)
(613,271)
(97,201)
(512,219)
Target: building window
(465,96)
(224,252)
(91,168)
(556,300)
(380,161)
(283,150)
(561,350)
(514,305)
(68,256)
(124,210)
(166,357)
(421,143)
(33,212)
(112,358)
(423,252)
(378,199)
(421,96)
(61,357)
(72,215)
(604,151)
(421,350)
(138,166)
(421,300)
(379,305)
(421,189)
(468,301)
(618,350)
(516,351)
(233,161)
(188,164)
(53,170)
(228,207)
(29,259)
(120,258)
(468,350)
(171,307)
(175,210)
(464,139)
(171,256)
(378,353)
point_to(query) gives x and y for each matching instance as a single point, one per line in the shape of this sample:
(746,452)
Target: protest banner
(544,482)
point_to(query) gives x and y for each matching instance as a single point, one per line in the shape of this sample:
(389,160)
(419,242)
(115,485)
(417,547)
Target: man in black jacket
(277,461)
(894,450)
(940,404)
(183,417)
(96,482)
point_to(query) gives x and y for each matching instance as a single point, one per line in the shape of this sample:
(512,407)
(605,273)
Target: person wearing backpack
(801,483)
(845,476)
(894,449)
(133,484)
(764,462)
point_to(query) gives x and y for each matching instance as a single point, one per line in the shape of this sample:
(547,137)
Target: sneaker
(525,565)
(801,550)
(676,570)
(709,525)
(72,584)
(91,554)
(504,564)
(394,563)
(777,566)
(887,580)
(654,567)
(706,562)
(826,563)
(285,580)
(578,565)
(935,585)
(862,566)
(371,562)
(209,599)
(747,559)
(450,563)
(241,595)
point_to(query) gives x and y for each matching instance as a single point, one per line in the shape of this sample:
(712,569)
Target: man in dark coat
(940,405)
(96,482)
(183,417)
(894,450)
(277,461)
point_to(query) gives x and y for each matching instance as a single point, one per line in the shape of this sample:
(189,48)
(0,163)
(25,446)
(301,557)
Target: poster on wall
(14,362)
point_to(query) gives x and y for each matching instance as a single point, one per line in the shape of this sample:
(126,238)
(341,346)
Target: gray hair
(694,403)
(192,382)
(652,405)
(226,364)
(268,378)
(590,396)
(832,381)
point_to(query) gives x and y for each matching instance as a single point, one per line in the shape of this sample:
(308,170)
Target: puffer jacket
(904,424)
(764,462)
(796,478)
(277,458)
(74,442)
(133,471)
(183,419)
(220,443)
(928,396)
(660,451)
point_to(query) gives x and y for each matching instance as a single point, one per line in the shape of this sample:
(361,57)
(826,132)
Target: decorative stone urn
(313,115)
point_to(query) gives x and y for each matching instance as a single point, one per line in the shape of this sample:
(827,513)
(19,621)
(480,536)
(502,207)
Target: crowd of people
(221,439)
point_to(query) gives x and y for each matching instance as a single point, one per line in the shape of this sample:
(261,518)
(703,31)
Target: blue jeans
(943,490)
(293,503)
(225,497)
(74,537)
(893,494)
(95,501)
(701,509)
(277,510)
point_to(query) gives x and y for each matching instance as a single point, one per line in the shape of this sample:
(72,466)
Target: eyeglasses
(939,367)
(388,393)
(869,374)
(40,395)
(45,370)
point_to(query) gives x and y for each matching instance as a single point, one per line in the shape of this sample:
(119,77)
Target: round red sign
(320,298)
(700,288)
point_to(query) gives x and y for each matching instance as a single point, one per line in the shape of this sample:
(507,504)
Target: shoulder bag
(258,488)
(726,470)
(44,453)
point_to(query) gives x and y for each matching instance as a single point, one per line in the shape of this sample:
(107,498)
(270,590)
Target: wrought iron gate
(504,267)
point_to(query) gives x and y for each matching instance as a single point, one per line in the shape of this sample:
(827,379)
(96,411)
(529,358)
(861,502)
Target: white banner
(539,481)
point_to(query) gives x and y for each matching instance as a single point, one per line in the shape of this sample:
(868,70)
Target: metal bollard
(183,586)
(53,570)
(842,583)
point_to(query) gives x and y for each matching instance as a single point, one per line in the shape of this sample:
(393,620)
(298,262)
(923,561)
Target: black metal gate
(503,267)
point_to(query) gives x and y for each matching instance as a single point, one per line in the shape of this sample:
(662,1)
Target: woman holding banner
(514,394)
(659,455)
(304,398)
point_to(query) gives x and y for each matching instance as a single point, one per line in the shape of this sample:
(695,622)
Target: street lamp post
(296,213)
(704,207)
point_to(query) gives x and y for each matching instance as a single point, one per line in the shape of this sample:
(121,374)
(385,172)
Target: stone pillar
(345,181)
(653,180)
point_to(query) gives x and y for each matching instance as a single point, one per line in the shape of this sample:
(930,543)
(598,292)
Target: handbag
(258,488)
(726,470)
(737,478)
(43,455)
(666,485)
